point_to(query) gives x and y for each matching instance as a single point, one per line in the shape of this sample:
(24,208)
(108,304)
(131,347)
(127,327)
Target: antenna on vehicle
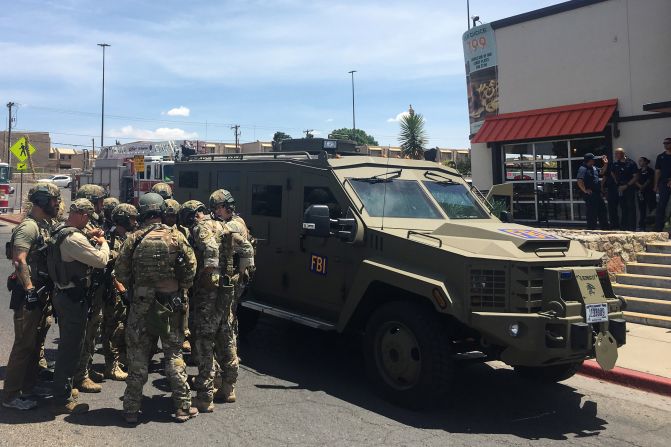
(384,196)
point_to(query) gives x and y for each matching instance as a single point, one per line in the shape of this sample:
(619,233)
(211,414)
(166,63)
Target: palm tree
(412,136)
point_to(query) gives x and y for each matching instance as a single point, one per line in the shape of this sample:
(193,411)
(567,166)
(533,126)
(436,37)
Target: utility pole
(236,129)
(308,132)
(102,113)
(468,13)
(89,164)
(353,120)
(9,130)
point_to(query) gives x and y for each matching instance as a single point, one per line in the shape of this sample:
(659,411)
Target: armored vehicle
(406,254)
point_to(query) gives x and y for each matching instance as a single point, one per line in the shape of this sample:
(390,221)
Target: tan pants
(21,372)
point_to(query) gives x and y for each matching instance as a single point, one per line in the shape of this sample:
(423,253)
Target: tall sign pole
(353,118)
(9,131)
(102,113)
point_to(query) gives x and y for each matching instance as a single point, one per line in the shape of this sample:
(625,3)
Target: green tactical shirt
(30,235)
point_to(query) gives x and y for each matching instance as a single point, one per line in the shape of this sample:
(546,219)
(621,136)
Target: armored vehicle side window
(267,200)
(188,179)
(319,195)
(456,201)
(168,173)
(401,198)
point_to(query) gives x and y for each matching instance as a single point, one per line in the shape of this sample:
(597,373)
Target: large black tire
(407,354)
(247,320)
(549,374)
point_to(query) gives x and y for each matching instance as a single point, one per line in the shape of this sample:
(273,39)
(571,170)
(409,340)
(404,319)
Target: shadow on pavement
(484,400)
(156,408)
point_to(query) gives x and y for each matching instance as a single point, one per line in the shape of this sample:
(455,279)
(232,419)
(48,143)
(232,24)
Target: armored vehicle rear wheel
(407,354)
(549,374)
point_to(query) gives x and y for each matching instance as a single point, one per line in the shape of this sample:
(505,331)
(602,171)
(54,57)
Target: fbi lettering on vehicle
(318,264)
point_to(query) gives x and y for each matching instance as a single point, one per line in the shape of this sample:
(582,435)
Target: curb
(10,220)
(628,377)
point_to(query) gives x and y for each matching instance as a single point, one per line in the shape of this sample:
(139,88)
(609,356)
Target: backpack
(57,269)
(155,256)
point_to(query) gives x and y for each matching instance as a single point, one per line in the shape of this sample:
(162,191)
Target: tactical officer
(625,175)
(590,185)
(222,205)
(87,379)
(157,264)
(212,294)
(662,184)
(162,189)
(72,279)
(124,222)
(170,218)
(29,297)
(109,203)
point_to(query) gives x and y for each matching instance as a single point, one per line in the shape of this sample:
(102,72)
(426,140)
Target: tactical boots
(225,393)
(185,415)
(73,407)
(88,386)
(96,376)
(114,372)
(202,405)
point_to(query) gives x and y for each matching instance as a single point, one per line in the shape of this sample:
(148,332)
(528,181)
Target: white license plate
(596,313)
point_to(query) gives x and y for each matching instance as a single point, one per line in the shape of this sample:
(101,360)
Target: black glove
(32,299)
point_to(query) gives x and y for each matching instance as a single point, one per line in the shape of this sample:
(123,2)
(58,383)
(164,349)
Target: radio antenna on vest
(384,196)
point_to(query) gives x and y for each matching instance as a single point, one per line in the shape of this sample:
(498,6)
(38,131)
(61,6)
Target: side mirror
(316,221)
(504,216)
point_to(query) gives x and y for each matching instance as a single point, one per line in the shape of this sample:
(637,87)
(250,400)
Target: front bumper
(543,339)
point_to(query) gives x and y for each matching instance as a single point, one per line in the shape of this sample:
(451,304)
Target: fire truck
(5,188)
(130,170)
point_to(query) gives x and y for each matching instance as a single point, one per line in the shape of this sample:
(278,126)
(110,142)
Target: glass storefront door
(543,176)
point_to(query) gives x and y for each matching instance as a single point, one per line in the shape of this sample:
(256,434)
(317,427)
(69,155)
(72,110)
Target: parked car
(62,181)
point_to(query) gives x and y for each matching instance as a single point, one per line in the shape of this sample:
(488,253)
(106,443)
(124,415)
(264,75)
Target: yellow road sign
(21,167)
(138,161)
(20,150)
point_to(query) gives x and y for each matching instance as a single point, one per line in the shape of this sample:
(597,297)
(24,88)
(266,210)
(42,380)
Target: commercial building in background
(548,86)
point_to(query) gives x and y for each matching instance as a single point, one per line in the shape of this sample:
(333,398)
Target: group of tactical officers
(128,277)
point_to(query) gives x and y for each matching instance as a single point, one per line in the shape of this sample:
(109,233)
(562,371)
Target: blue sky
(266,65)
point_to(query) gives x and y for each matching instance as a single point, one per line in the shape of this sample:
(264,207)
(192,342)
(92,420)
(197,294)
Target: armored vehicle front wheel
(408,354)
(549,374)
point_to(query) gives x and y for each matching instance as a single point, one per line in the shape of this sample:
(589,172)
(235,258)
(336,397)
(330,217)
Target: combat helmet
(42,193)
(109,204)
(162,189)
(122,214)
(91,192)
(187,213)
(151,205)
(172,207)
(82,205)
(222,197)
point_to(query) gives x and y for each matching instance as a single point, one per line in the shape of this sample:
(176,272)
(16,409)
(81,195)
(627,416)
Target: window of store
(544,174)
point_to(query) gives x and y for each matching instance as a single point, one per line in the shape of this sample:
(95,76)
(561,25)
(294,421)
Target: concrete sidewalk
(644,362)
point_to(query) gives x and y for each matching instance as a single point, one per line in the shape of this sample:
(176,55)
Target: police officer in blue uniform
(590,185)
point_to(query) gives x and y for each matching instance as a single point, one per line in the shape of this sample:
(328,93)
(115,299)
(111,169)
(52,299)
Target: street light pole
(9,130)
(102,113)
(353,118)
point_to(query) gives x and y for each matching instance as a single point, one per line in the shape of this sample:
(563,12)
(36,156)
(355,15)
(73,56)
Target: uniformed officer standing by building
(590,185)
(28,298)
(624,172)
(157,264)
(72,279)
(663,184)
(87,379)
(222,205)
(123,221)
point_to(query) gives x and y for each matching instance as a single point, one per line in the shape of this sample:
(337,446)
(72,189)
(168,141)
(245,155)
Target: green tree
(358,135)
(279,136)
(464,166)
(413,136)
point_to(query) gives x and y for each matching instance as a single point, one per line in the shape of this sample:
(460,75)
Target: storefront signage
(481,74)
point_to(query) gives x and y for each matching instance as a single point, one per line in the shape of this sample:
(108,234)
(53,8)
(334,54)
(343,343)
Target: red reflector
(602,273)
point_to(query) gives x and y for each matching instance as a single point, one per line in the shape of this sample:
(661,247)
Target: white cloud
(398,117)
(329,120)
(178,111)
(162,133)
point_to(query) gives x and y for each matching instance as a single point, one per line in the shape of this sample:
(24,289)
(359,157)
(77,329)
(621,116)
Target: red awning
(575,119)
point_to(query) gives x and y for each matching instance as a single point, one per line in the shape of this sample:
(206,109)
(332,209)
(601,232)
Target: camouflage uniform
(109,203)
(95,194)
(212,299)
(30,323)
(166,280)
(162,189)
